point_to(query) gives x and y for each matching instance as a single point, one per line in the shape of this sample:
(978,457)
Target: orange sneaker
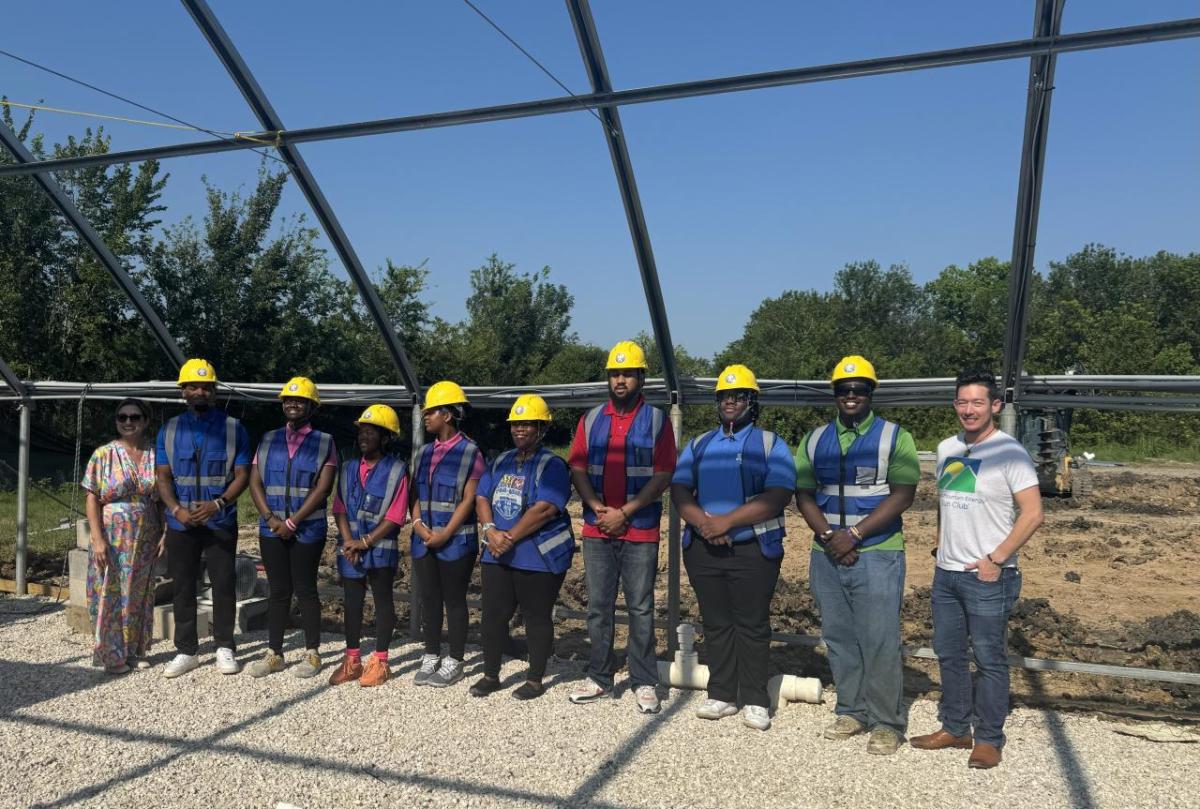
(350,669)
(375,673)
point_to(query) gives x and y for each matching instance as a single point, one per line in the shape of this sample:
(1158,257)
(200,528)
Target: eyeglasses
(738,397)
(124,417)
(842,391)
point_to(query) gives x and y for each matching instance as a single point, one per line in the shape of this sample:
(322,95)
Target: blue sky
(746,195)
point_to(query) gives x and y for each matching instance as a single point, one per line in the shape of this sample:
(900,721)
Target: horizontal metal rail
(1142,393)
(976,54)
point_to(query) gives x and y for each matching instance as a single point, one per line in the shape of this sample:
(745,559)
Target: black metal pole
(223,46)
(92,239)
(614,135)
(1047,23)
(975,54)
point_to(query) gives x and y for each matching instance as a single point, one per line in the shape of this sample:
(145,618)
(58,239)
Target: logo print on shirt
(959,475)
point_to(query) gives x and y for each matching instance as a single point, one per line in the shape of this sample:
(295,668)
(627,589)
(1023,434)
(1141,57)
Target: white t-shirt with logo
(975,496)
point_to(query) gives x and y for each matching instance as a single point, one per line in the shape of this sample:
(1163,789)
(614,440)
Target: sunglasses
(852,390)
(740,398)
(124,417)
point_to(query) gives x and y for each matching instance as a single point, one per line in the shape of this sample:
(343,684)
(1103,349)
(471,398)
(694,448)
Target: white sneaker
(182,664)
(225,662)
(647,699)
(429,664)
(715,709)
(588,691)
(756,716)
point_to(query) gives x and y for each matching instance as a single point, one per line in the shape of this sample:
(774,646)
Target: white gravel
(72,736)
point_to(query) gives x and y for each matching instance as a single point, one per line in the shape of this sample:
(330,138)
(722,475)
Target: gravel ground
(72,736)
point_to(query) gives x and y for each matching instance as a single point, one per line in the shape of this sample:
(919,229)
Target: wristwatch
(827,535)
(488,526)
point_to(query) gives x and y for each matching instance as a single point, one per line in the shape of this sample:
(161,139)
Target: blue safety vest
(366,507)
(201,464)
(289,479)
(439,500)
(555,541)
(639,459)
(852,485)
(752,467)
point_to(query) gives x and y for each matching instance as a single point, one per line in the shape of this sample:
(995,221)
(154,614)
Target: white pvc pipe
(686,672)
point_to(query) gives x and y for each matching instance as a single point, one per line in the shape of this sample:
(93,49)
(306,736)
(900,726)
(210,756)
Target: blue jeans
(965,608)
(860,623)
(607,563)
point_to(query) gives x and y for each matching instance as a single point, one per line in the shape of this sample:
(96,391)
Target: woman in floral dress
(125,518)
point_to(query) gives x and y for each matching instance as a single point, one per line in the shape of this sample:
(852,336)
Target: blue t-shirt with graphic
(510,487)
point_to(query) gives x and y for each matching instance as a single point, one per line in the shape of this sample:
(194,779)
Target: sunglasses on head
(123,417)
(852,390)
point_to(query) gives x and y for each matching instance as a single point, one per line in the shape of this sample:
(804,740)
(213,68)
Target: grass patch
(45,517)
(1143,451)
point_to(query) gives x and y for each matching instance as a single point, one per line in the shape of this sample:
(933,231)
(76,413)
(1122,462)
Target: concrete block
(164,622)
(77,567)
(252,614)
(83,535)
(79,620)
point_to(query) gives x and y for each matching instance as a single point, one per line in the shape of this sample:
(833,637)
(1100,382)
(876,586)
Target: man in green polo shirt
(855,476)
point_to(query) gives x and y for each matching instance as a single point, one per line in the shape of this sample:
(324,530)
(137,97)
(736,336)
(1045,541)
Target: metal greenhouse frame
(1178,394)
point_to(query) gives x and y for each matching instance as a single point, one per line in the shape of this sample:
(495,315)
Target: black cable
(122,98)
(531,58)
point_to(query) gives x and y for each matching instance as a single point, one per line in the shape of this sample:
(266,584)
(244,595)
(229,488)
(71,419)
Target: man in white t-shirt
(988,507)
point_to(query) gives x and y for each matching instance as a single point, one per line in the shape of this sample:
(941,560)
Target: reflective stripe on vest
(842,486)
(438,513)
(770,532)
(284,493)
(366,507)
(187,470)
(204,481)
(640,443)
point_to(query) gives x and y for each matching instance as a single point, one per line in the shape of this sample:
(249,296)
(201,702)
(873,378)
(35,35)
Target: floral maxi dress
(121,598)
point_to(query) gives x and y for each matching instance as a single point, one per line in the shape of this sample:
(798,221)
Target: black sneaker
(484,686)
(529,690)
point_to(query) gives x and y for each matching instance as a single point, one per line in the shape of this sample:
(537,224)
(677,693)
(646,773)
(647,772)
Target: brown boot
(376,673)
(984,756)
(350,669)
(940,740)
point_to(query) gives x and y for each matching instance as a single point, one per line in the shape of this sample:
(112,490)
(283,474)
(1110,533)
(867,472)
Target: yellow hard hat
(737,377)
(854,367)
(441,394)
(301,387)
(197,370)
(380,415)
(626,355)
(529,407)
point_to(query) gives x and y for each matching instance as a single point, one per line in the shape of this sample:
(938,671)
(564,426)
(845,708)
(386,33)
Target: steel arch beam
(614,135)
(92,239)
(223,46)
(1047,24)
(972,55)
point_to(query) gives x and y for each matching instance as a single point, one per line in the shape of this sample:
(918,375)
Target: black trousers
(381,580)
(734,585)
(184,550)
(292,570)
(444,585)
(504,589)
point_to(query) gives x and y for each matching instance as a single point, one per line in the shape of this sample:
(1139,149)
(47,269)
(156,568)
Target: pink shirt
(397,512)
(440,448)
(296,437)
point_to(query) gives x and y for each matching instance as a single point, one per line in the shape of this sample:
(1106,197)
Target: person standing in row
(528,545)
(203,466)
(370,507)
(444,539)
(124,515)
(989,505)
(621,462)
(855,476)
(290,481)
(731,487)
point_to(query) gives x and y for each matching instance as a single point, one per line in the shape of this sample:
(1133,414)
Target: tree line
(255,292)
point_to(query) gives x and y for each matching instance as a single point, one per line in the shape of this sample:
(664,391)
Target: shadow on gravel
(15,610)
(28,684)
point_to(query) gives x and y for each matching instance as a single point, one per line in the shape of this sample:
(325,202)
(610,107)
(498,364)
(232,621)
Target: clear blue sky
(746,194)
